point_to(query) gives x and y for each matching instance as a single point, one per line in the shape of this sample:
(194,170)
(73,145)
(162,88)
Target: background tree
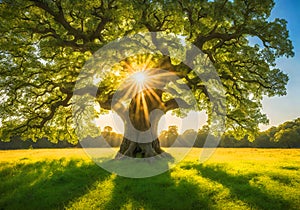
(201,136)
(288,134)
(168,137)
(112,138)
(107,129)
(264,140)
(172,134)
(45,43)
(185,140)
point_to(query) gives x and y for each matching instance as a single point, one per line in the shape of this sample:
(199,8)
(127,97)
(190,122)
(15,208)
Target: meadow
(230,179)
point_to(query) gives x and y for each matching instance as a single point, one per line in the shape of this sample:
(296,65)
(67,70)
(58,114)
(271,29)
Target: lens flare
(140,77)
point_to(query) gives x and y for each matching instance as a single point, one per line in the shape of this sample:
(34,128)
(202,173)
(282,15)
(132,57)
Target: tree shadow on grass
(240,187)
(163,191)
(159,192)
(49,184)
(182,192)
(55,184)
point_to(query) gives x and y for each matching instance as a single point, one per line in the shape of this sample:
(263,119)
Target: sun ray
(153,94)
(130,91)
(129,67)
(145,109)
(138,101)
(147,62)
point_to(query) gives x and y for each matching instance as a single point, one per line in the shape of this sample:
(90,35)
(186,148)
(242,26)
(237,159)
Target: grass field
(230,179)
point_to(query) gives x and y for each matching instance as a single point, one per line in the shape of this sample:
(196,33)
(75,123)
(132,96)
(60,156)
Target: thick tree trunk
(133,149)
(141,124)
(136,143)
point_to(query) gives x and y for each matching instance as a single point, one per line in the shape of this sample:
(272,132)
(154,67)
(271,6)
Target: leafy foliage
(45,43)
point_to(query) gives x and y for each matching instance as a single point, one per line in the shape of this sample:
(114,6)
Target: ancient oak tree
(45,43)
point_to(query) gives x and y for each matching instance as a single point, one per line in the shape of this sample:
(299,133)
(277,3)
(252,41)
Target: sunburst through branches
(145,82)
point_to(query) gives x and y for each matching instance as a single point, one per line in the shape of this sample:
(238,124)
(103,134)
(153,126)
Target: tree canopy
(45,43)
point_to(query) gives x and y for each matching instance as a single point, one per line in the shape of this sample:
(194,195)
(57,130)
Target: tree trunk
(140,137)
(133,149)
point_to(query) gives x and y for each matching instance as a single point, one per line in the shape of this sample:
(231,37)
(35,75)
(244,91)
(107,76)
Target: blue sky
(281,109)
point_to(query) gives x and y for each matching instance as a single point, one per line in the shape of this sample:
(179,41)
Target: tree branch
(60,18)
(176,103)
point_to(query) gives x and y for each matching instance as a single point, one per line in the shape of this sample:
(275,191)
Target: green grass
(230,179)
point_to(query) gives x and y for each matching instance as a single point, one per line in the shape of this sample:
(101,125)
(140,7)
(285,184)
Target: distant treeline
(17,143)
(286,135)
